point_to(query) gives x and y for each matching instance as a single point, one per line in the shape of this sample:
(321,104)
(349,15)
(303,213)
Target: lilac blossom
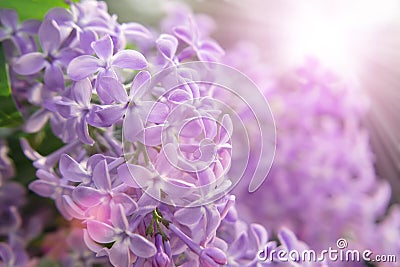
(20,34)
(106,63)
(110,107)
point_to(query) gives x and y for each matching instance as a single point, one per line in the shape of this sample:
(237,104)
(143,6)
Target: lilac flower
(205,49)
(20,34)
(105,63)
(76,109)
(56,54)
(100,197)
(125,240)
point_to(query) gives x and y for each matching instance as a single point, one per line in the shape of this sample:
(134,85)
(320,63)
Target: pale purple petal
(73,209)
(101,176)
(155,112)
(151,136)
(104,48)
(138,87)
(42,188)
(142,247)
(138,175)
(82,131)
(54,78)
(9,18)
(59,14)
(100,232)
(29,64)
(129,59)
(93,246)
(71,169)
(128,204)
(120,255)
(49,36)
(118,218)
(36,121)
(184,33)
(86,196)
(189,216)
(82,92)
(132,125)
(167,45)
(106,116)
(126,176)
(136,30)
(85,39)
(111,88)
(82,67)
(30,26)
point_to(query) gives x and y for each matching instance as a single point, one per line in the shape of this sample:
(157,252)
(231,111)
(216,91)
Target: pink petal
(86,196)
(100,232)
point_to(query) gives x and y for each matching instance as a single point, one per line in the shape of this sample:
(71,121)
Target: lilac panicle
(92,80)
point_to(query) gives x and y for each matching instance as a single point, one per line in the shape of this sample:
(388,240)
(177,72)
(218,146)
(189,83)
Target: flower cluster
(322,185)
(146,146)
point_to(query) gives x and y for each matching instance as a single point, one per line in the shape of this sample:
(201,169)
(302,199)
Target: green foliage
(9,114)
(31,9)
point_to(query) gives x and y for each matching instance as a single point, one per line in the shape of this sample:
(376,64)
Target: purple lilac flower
(105,175)
(17,35)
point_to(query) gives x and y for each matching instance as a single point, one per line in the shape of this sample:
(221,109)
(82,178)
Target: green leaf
(32,9)
(9,114)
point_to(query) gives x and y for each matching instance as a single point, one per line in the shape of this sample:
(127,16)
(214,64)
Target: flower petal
(138,87)
(111,88)
(100,232)
(142,247)
(118,218)
(103,48)
(49,36)
(167,45)
(30,26)
(36,121)
(101,176)
(119,255)
(42,188)
(29,64)
(9,18)
(129,59)
(105,116)
(54,78)
(72,170)
(82,67)
(82,92)
(86,196)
